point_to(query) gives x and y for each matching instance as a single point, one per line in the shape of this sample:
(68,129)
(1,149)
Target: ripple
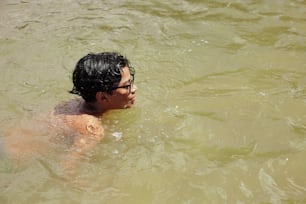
(269,186)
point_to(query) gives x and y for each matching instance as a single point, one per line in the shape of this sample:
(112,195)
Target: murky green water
(221,102)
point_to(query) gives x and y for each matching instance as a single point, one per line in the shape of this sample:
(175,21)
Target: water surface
(220,114)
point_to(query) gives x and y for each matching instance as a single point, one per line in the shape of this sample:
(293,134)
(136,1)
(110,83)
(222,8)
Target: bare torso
(69,121)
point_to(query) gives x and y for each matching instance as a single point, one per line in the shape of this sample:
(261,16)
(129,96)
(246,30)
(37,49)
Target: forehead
(125,75)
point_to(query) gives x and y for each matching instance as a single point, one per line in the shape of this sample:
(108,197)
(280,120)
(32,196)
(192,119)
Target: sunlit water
(221,101)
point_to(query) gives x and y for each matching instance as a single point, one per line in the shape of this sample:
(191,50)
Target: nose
(134,89)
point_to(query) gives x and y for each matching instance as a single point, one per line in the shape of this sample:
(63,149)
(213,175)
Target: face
(124,94)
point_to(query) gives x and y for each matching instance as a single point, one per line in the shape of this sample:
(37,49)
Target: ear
(101,96)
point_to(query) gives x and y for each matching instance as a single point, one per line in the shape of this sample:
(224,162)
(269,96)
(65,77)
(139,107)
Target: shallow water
(221,100)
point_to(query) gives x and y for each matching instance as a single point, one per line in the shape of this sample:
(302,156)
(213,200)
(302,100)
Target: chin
(129,106)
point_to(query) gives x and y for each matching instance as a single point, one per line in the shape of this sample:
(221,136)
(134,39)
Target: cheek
(120,98)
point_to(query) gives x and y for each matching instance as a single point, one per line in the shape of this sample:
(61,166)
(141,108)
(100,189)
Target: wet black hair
(97,72)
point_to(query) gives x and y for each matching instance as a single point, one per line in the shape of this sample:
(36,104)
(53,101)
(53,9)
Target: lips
(132,99)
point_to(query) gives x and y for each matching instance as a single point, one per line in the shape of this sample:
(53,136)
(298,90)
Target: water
(220,114)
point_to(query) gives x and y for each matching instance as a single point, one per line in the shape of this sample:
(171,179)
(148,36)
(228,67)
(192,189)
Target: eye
(127,86)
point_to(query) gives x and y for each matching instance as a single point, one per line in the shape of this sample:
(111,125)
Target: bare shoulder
(88,125)
(68,114)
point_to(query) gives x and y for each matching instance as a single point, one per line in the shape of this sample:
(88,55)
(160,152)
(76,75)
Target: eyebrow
(128,80)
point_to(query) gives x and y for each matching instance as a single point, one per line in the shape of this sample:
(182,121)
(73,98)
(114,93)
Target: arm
(89,132)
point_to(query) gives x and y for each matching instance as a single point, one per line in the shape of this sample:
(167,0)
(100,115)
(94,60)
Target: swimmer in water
(104,81)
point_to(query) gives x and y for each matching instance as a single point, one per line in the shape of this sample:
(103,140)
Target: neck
(92,109)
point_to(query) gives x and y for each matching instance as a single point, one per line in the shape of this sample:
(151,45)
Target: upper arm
(90,133)
(94,128)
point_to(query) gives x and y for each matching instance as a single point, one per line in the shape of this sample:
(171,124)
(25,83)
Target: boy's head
(99,72)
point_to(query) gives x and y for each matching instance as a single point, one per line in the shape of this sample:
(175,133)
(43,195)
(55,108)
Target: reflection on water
(220,114)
